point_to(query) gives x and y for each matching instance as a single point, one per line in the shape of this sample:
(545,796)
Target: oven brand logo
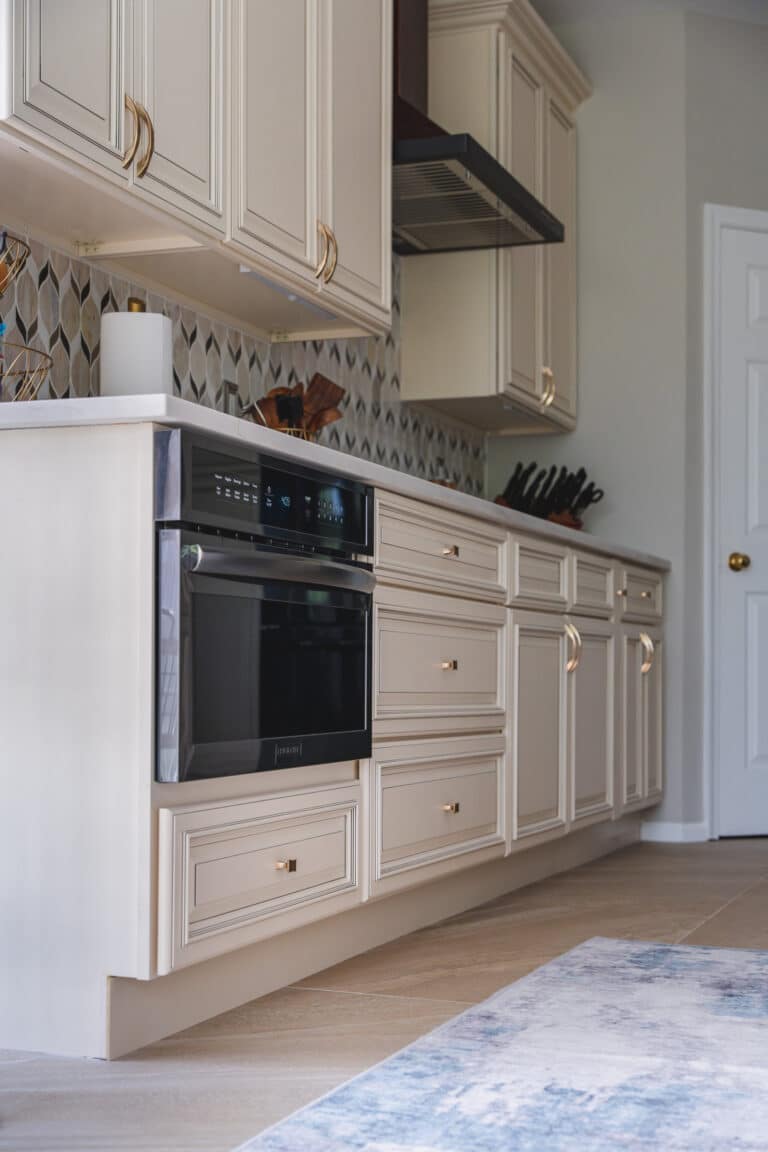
(283,750)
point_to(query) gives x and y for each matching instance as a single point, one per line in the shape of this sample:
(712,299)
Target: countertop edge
(161,409)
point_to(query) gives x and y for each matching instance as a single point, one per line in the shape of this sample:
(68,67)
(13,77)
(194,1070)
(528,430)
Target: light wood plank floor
(217,1084)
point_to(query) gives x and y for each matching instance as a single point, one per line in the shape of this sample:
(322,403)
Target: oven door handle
(266,566)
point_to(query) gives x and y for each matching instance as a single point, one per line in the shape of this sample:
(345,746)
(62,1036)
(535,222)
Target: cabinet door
(179,80)
(274,64)
(652,718)
(560,259)
(521,271)
(538,723)
(641,717)
(355,150)
(69,66)
(591,720)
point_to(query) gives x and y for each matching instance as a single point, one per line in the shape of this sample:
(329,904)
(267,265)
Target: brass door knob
(738,561)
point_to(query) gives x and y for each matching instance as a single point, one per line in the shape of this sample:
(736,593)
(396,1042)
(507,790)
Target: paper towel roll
(136,354)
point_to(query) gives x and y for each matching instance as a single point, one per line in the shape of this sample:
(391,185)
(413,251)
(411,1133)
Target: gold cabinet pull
(650,653)
(285,865)
(646,594)
(548,395)
(324,233)
(449,665)
(573,635)
(329,272)
(132,148)
(143,164)
(453,807)
(621,591)
(738,561)
(452,551)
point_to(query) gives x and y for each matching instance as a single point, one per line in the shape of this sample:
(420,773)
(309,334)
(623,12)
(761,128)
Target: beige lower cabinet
(439,664)
(538,724)
(640,702)
(235,872)
(591,720)
(435,807)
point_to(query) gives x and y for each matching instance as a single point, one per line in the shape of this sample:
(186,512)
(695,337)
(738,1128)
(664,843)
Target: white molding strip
(668,832)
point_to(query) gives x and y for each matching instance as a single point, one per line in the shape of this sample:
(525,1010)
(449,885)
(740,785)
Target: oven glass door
(268,667)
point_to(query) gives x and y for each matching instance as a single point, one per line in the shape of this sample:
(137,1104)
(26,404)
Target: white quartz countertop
(170,410)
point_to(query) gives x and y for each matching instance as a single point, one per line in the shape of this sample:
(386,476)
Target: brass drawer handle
(548,392)
(134,144)
(453,807)
(330,270)
(452,551)
(449,665)
(285,865)
(326,239)
(143,164)
(646,595)
(621,591)
(650,652)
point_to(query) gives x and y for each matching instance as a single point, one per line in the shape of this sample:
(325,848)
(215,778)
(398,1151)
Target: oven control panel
(264,496)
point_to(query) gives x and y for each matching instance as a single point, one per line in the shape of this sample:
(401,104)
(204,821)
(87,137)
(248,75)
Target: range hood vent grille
(450,195)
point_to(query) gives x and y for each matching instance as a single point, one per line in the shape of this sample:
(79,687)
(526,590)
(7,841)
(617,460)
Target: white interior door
(741,436)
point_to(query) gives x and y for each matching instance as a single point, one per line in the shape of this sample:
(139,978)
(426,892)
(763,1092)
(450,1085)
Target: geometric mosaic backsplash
(56,305)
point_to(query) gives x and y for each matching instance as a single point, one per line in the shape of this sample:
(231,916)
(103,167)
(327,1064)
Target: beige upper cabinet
(274,65)
(312,145)
(355,84)
(490,337)
(70,75)
(178,89)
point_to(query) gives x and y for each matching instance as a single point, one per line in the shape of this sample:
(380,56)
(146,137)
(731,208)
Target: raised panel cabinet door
(355,151)
(631,774)
(521,270)
(69,74)
(538,723)
(591,716)
(274,131)
(653,717)
(178,70)
(560,260)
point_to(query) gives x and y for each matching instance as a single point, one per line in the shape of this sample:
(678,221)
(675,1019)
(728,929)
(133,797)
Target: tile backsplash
(56,305)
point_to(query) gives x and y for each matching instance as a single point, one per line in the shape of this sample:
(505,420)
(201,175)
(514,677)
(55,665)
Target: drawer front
(435,801)
(591,585)
(640,593)
(427,548)
(236,872)
(436,657)
(539,574)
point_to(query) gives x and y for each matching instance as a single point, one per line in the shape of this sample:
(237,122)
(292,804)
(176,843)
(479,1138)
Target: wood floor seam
(380,995)
(719,911)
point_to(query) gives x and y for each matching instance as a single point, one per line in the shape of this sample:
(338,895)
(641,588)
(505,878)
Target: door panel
(355,146)
(179,78)
(70,74)
(560,259)
(274,138)
(631,720)
(592,718)
(539,753)
(741,424)
(653,728)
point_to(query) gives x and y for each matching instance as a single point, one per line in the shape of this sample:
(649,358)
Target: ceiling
(563,11)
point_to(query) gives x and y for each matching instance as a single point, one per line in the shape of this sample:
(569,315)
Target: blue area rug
(614,1045)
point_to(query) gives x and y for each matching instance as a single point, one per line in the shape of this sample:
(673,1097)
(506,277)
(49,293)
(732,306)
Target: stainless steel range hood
(449,193)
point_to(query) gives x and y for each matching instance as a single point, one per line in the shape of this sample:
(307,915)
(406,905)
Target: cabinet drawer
(235,872)
(438,663)
(433,802)
(425,547)
(640,594)
(591,584)
(539,574)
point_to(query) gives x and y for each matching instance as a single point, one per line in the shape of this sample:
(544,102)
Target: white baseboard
(668,832)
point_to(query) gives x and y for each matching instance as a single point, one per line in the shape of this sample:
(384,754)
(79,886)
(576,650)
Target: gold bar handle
(453,807)
(285,865)
(326,248)
(650,653)
(572,662)
(334,256)
(452,551)
(449,665)
(143,164)
(132,148)
(548,394)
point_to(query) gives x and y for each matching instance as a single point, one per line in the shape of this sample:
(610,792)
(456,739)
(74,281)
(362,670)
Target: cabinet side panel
(76,718)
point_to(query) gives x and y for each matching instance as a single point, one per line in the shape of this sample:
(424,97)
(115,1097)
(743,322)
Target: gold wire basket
(13,256)
(22,371)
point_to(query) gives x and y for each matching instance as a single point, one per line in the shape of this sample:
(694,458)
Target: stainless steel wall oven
(264,604)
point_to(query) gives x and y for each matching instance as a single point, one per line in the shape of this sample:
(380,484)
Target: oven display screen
(263,497)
